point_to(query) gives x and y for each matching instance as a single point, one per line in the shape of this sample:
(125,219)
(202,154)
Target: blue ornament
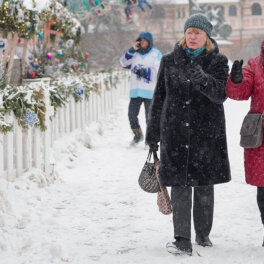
(69,43)
(30,57)
(79,90)
(2,44)
(30,118)
(59,53)
(40,35)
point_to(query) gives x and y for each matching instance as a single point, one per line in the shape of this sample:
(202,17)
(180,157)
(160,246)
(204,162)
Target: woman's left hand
(198,76)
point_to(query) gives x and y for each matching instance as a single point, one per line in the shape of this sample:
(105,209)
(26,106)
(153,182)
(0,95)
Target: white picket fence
(22,150)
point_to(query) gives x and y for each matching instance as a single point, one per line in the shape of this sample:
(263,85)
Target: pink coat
(251,86)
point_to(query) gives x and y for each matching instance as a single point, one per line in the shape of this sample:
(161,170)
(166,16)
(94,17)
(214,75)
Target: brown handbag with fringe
(163,201)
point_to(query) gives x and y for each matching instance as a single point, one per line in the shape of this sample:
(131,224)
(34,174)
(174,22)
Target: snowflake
(30,118)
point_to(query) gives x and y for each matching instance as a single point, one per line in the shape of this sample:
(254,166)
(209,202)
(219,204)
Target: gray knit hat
(199,21)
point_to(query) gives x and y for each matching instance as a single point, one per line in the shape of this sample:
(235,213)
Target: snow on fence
(24,149)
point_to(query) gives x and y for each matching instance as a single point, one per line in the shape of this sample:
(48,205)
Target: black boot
(138,136)
(181,246)
(203,241)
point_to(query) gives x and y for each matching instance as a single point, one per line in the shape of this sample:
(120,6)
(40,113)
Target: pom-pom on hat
(199,21)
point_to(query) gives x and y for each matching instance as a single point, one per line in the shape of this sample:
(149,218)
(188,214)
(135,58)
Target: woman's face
(195,38)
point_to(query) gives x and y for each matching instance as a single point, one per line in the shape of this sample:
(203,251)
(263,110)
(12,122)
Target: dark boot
(203,241)
(138,136)
(181,246)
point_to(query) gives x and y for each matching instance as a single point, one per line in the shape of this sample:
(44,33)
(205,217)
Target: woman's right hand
(236,72)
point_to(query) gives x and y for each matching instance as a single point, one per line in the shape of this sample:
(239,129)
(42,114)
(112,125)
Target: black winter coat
(189,121)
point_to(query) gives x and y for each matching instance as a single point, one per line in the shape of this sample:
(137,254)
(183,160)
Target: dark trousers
(203,208)
(260,200)
(128,10)
(134,108)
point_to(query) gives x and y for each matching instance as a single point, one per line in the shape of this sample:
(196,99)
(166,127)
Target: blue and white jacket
(149,60)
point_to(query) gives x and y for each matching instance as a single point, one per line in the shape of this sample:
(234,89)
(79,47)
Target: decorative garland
(27,102)
(24,102)
(15,18)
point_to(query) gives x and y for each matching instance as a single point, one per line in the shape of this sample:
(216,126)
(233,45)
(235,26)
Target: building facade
(246,17)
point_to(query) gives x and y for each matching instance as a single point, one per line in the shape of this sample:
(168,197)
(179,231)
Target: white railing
(22,150)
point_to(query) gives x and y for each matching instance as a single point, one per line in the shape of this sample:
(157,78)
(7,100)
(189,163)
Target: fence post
(37,148)
(1,156)
(72,113)
(67,117)
(47,134)
(10,150)
(19,148)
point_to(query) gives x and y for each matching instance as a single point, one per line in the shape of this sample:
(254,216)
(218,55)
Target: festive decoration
(69,43)
(59,53)
(30,118)
(27,102)
(15,18)
(87,55)
(79,90)
(49,56)
(30,57)
(2,44)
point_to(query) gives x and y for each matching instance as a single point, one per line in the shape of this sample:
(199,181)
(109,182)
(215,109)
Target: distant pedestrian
(144,61)
(141,2)
(244,84)
(187,118)
(128,8)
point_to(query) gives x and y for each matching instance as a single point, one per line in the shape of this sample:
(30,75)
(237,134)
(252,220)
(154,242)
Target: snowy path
(95,211)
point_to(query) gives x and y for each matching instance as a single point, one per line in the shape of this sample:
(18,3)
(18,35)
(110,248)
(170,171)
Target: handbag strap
(155,155)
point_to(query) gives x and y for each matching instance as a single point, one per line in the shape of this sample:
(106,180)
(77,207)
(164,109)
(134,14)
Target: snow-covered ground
(93,211)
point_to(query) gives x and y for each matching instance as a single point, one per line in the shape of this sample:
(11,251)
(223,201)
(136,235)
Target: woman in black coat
(187,117)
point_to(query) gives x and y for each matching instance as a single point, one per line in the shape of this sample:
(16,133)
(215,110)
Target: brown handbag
(252,130)
(163,199)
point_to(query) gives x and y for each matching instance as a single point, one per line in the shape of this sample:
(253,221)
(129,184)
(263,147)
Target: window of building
(179,13)
(157,12)
(232,10)
(256,9)
(183,12)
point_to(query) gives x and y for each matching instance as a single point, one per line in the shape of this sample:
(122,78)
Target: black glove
(142,72)
(153,147)
(198,77)
(236,71)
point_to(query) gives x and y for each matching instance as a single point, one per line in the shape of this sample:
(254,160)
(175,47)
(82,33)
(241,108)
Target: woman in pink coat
(243,84)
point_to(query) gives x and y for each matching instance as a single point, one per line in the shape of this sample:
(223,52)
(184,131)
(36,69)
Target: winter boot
(203,241)
(181,246)
(138,136)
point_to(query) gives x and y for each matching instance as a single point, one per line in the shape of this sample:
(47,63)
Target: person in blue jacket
(143,60)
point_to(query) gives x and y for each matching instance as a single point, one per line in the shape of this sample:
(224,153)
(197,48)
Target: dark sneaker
(181,246)
(203,241)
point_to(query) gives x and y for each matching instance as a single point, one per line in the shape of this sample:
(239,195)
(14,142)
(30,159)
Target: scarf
(192,54)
